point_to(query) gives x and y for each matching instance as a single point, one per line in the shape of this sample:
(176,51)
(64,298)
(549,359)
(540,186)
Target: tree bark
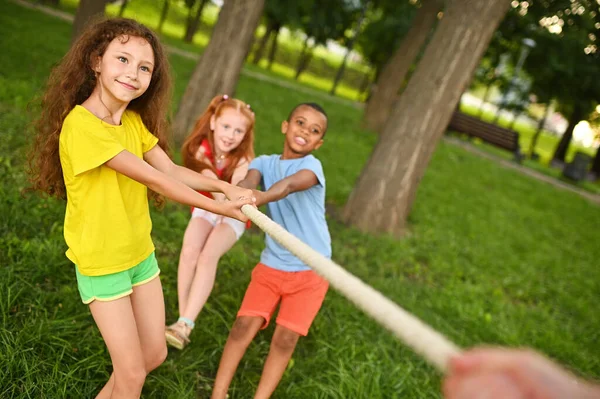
(163,15)
(384,193)
(394,72)
(193,25)
(273,49)
(258,54)
(87,11)
(558,159)
(218,70)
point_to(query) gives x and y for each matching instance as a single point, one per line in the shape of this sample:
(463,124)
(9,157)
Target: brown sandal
(177,335)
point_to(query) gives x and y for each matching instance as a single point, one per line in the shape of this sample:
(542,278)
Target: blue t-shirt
(301,213)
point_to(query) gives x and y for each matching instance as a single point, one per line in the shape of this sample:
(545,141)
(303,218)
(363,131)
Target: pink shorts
(301,295)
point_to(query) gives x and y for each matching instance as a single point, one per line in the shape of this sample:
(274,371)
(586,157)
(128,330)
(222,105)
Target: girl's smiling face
(125,68)
(229,129)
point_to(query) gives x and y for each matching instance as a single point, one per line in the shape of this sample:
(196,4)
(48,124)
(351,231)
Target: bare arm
(252,179)
(161,161)
(131,166)
(299,181)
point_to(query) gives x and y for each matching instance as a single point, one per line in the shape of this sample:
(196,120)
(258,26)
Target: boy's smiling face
(303,132)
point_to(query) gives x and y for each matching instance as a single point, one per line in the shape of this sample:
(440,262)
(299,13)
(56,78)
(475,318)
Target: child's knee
(130,379)
(285,340)
(244,328)
(156,358)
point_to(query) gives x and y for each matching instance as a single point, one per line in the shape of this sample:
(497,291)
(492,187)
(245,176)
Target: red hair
(202,131)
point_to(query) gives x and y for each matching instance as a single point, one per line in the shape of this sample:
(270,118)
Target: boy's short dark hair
(314,106)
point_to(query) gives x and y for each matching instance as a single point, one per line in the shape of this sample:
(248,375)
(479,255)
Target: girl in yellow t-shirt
(103,114)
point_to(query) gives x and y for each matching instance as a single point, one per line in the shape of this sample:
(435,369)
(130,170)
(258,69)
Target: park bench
(498,136)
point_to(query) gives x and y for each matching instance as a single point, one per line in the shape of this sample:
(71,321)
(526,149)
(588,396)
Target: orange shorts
(301,295)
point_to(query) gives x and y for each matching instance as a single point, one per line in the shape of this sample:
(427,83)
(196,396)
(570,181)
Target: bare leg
(220,240)
(193,241)
(242,333)
(106,391)
(149,311)
(116,322)
(282,347)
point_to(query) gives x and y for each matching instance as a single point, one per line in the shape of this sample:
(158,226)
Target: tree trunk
(394,72)
(163,15)
(193,25)
(258,54)
(302,60)
(595,169)
(123,7)
(364,85)
(349,46)
(558,159)
(273,49)
(51,2)
(218,70)
(537,133)
(383,195)
(87,11)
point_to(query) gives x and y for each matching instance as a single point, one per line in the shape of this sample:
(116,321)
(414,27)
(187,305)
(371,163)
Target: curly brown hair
(202,131)
(73,80)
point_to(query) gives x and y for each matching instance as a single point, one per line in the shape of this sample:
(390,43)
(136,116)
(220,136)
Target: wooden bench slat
(493,134)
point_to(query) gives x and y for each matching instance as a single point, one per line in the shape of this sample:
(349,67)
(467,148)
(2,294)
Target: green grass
(492,257)
(545,148)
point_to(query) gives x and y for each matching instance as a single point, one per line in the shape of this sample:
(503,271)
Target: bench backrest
(499,136)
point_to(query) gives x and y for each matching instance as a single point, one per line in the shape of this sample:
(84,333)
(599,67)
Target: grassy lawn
(492,257)
(545,148)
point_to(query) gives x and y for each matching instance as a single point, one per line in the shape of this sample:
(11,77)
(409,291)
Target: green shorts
(116,285)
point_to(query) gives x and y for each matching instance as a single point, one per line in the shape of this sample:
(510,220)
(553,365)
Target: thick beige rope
(424,340)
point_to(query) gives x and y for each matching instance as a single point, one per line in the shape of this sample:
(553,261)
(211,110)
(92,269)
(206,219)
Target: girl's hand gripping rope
(234,193)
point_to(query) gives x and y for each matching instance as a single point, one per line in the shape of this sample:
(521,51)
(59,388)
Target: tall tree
(163,15)
(273,48)
(277,14)
(394,72)
(218,70)
(349,46)
(262,44)
(384,193)
(193,23)
(322,20)
(86,12)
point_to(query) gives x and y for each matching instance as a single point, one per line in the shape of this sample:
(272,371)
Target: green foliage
(326,19)
(384,32)
(559,66)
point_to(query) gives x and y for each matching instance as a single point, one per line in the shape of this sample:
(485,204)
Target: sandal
(177,335)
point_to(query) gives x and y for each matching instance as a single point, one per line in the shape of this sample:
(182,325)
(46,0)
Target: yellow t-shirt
(107,222)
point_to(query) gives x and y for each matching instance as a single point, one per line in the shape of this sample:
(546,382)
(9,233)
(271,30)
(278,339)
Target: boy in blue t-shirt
(294,191)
